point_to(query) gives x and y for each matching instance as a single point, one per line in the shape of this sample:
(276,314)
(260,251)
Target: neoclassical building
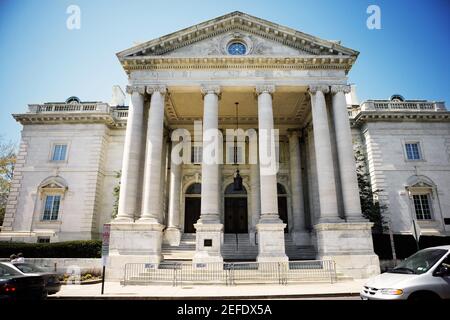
(235,71)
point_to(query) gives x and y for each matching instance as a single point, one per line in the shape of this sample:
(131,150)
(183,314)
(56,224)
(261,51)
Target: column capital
(162,89)
(210,89)
(312,89)
(340,88)
(264,88)
(134,88)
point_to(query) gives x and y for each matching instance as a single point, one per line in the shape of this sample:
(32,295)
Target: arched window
(230,190)
(73,100)
(195,188)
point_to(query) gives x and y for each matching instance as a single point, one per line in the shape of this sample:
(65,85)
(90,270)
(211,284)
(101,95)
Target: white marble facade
(283,79)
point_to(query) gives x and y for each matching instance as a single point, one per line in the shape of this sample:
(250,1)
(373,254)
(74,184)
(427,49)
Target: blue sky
(41,60)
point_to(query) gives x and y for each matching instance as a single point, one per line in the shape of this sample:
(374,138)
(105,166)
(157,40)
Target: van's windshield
(420,262)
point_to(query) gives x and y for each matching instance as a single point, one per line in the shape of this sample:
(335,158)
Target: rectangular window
(422,206)
(196,154)
(51,208)
(235,155)
(59,152)
(413,151)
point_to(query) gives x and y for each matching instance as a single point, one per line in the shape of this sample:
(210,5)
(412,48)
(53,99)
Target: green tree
(370,206)
(7,162)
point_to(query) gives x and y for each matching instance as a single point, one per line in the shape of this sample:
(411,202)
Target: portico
(287,102)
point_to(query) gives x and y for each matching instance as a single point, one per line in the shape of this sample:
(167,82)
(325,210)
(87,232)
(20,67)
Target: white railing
(120,114)
(372,105)
(68,107)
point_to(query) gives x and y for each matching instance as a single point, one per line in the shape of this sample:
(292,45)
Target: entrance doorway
(282,206)
(192,202)
(236,216)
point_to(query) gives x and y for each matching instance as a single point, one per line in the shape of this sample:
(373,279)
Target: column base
(172,236)
(209,241)
(301,238)
(350,246)
(132,242)
(271,242)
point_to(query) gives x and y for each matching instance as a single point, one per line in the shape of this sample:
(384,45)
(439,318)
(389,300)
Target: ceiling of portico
(290,105)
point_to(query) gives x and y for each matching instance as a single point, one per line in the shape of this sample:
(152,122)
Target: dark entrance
(282,206)
(235,218)
(192,204)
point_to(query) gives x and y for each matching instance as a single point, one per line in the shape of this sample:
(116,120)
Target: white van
(424,275)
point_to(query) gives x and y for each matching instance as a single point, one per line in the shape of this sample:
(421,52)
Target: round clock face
(237,48)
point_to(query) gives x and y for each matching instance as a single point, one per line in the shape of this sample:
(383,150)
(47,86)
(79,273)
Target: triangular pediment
(261,37)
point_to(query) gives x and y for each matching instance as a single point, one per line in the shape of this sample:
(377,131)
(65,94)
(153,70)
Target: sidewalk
(116,291)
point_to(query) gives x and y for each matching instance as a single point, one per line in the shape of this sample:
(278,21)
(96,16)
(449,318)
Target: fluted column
(129,181)
(174,193)
(324,159)
(347,167)
(298,207)
(210,212)
(151,199)
(267,157)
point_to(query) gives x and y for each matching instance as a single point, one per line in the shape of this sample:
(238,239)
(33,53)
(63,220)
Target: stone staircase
(235,248)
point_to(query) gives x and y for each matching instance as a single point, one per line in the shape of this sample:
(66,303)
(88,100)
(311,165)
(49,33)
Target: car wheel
(423,296)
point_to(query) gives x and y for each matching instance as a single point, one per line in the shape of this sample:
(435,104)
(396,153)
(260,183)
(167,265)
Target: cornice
(374,116)
(64,118)
(233,62)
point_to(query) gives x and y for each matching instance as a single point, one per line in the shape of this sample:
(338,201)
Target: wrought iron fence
(179,273)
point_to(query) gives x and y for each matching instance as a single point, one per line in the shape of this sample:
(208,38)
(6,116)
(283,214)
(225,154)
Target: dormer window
(237,48)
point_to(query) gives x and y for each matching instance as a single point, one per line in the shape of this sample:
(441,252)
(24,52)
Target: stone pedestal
(271,242)
(172,236)
(209,241)
(133,242)
(350,246)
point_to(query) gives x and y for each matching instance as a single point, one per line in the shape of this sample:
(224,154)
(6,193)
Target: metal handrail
(232,273)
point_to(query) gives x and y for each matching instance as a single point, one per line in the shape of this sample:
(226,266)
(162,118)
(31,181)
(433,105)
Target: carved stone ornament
(265,88)
(340,88)
(210,89)
(138,89)
(162,89)
(314,88)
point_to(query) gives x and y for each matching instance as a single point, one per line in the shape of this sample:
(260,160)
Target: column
(129,182)
(267,158)
(270,227)
(255,199)
(324,160)
(209,229)
(347,166)
(300,236)
(172,233)
(210,163)
(151,199)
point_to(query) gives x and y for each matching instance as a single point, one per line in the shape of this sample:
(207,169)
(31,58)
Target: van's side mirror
(442,271)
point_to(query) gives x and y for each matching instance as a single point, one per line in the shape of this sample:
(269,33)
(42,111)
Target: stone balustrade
(379,105)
